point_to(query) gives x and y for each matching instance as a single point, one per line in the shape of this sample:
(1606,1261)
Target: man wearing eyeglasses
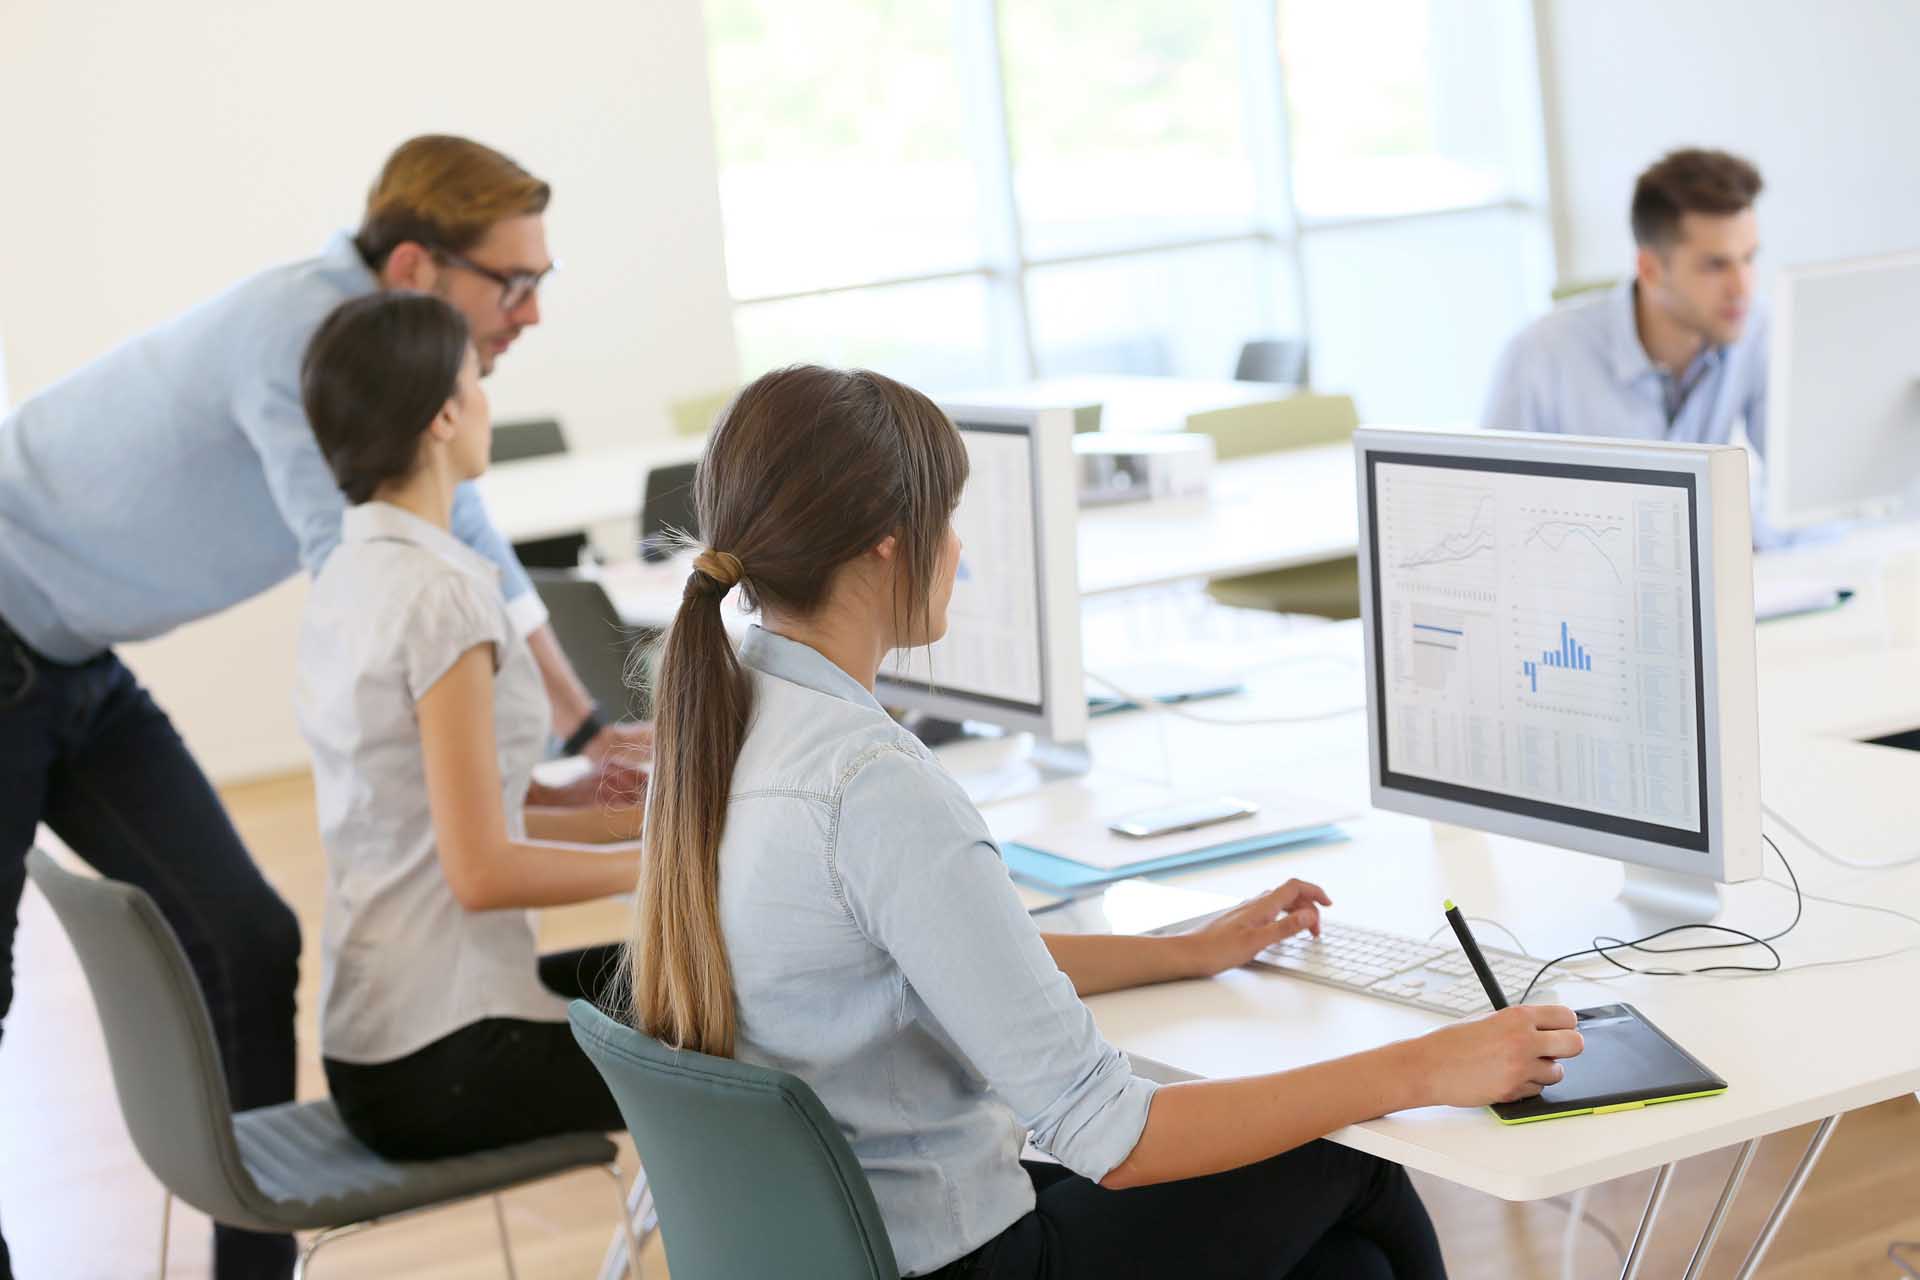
(173,477)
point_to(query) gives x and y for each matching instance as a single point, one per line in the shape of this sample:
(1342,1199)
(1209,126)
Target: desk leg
(1637,1254)
(1711,1234)
(1801,1172)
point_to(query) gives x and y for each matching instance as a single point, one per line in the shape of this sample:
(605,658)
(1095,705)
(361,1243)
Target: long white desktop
(1276,511)
(1794,1046)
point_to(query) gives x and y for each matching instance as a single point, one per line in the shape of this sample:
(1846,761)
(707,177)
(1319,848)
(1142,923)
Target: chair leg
(166,1223)
(305,1259)
(506,1245)
(306,1255)
(637,1205)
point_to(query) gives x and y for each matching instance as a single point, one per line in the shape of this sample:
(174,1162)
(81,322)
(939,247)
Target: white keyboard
(1395,967)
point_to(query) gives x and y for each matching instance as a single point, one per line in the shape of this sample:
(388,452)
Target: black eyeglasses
(515,286)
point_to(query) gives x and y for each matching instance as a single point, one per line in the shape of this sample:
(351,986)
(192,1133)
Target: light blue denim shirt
(176,475)
(880,953)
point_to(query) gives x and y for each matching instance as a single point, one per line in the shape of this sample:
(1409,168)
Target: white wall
(1823,97)
(151,154)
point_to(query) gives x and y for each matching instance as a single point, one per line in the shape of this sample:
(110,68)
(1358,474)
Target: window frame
(1277,221)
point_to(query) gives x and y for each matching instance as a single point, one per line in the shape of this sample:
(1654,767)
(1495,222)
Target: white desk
(566,492)
(1275,511)
(1794,1047)
(1130,403)
(1270,512)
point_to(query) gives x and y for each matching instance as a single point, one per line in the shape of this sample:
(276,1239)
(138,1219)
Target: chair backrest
(695,415)
(750,1173)
(666,508)
(533,438)
(1576,288)
(595,640)
(1289,422)
(1273,360)
(166,1066)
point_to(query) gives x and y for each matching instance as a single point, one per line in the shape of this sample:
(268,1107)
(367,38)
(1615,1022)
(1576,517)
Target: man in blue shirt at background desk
(176,476)
(1679,351)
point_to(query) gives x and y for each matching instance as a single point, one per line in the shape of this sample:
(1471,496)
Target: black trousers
(86,750)
(1318,1212)
(492,1082)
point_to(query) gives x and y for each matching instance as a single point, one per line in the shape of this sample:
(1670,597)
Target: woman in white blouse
(442,1029)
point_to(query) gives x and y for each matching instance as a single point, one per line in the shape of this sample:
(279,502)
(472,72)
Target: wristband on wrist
(589,730)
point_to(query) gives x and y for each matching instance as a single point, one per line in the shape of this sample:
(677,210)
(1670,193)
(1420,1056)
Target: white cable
(1520,946)
(1577,1213)
(1828,854)
(1570,1236)
(1147,703)
(1842,902)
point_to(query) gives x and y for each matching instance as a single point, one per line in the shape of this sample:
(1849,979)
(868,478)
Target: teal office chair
(291,1167)
(750,1174)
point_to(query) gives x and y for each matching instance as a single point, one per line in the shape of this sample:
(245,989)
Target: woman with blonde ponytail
(818,895)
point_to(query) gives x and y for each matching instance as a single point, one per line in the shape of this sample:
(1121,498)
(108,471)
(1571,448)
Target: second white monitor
(1843,390)
(1011,655)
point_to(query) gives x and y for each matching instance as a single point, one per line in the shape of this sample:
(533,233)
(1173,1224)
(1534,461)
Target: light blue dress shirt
(880,953)
(1580,370)
(176,475)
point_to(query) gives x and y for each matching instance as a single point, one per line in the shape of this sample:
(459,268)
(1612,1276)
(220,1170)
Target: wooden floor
(77,1203)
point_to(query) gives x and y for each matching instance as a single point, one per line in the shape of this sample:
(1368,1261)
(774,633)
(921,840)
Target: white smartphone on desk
(1186,815)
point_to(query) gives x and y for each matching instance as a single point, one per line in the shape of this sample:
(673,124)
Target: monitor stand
(1655,899)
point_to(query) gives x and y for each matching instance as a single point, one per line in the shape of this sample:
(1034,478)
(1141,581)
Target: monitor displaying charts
(1539,639)
(1011,654)
(992,649)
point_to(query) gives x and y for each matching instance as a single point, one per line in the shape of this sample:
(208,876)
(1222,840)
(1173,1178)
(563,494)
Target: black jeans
(492,1082)
(1318,1212)
(86,750)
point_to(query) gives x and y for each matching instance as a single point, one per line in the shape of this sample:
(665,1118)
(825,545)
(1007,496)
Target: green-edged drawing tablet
(1627,1063)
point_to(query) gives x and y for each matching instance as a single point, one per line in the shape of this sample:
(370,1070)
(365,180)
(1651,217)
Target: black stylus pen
(1474,958)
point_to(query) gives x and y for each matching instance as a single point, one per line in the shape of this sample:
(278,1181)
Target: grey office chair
(1273,360)
(667,510)
(600,646)
(531,438)
(751,1174)
(537,438)
(291,1167)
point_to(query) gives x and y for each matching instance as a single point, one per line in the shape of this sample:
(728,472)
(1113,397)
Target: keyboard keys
(1395,967)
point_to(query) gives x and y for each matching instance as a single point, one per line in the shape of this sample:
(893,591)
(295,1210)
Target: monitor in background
(1011,655)
(1843,391)
(1559,648)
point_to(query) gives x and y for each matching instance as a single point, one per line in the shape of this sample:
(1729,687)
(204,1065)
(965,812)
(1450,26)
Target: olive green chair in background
(695,415)
(1575,288)
(1330,589)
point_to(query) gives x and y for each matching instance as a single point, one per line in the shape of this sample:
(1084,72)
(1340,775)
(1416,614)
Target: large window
(965,192)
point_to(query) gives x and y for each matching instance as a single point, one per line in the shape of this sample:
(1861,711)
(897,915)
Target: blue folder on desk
(1050,871)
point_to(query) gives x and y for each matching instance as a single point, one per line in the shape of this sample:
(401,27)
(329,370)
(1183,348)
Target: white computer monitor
(1011,655)
(1559,648)
(1843,391)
